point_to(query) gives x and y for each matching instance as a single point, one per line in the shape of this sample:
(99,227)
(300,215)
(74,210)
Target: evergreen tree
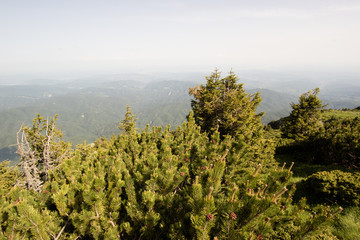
(128,124)
(304,119)
(222,104)
(8,176)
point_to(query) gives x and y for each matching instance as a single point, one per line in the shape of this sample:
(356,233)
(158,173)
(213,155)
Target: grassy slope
(340,114)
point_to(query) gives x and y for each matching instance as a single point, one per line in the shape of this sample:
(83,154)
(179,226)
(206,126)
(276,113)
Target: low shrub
(336,186)
(339,142)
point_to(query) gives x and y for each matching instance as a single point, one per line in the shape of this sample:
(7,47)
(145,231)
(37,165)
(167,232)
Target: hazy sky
(115,36)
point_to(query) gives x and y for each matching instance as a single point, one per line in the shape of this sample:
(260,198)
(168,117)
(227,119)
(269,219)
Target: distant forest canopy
(89,109)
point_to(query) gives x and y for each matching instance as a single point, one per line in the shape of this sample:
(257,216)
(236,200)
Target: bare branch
(61,231)
(28,162)
(40,150)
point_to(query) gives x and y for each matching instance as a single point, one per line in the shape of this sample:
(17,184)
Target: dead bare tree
(41,150)
(29,162)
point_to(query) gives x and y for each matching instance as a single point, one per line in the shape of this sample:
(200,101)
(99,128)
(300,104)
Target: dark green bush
(8,176)
(336,186)
(338,143)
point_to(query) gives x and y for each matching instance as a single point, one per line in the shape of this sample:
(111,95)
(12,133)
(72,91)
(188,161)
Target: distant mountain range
(91,108)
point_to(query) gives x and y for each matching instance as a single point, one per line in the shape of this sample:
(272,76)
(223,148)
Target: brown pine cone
(209,217)
(232,216)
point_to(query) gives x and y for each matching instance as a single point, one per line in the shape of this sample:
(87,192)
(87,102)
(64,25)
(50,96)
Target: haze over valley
(92,107)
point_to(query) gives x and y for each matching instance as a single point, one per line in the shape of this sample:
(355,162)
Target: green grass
(339,114)
(301,171)
(304,169)
(347,225)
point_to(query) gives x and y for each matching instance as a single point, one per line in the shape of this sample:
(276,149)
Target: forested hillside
(95,110)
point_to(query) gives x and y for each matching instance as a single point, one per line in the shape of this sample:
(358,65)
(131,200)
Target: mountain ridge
(89,111)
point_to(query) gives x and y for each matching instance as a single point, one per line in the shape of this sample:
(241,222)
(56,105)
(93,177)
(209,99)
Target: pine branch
(61,231)
(12,230)
(35,225)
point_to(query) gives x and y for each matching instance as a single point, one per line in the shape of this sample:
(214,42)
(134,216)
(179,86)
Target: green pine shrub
(223,105)
(304,120)
(25,215)
(336,187)
(161,184)
(167,185)
(8,175)
(338,143)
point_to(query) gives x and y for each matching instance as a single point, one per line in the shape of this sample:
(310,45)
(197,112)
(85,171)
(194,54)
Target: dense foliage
(304,120)
(223,105)
(159,184)
(8,176)
(338,142)
(336,186)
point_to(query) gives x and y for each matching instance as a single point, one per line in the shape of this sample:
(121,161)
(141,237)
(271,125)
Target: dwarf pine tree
(338,143)
(8,176)
(162,184)
(128,124)
(223,105)
(304,119)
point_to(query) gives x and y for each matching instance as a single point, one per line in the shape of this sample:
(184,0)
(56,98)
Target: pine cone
(209,217)
(232,216)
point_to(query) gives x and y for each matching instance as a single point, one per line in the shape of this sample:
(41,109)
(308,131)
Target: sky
(118,36)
